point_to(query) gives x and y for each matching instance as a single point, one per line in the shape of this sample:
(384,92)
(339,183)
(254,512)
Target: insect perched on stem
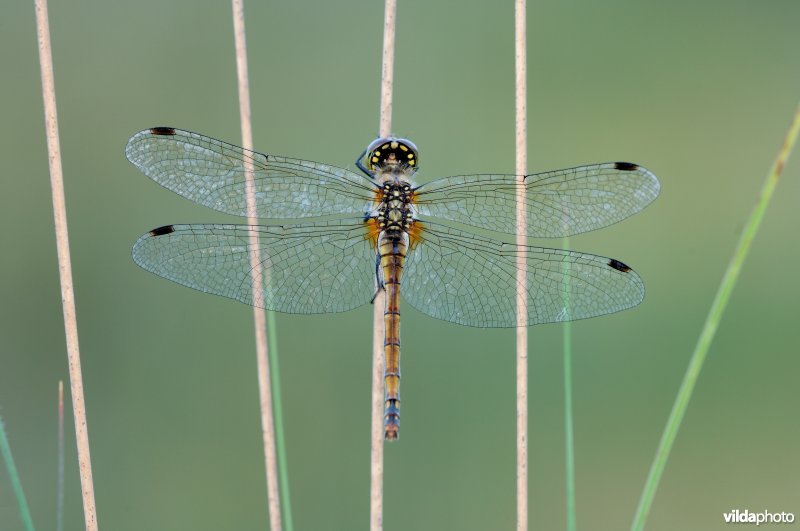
(345,232)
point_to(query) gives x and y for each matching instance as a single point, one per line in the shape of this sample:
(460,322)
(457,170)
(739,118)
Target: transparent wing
(463,278)
(313,268)
(211,173)
(558,203)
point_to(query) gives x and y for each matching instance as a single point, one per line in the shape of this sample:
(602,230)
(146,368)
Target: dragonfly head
(391,152)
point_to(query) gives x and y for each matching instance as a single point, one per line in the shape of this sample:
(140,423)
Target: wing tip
(157,131)
(633,167)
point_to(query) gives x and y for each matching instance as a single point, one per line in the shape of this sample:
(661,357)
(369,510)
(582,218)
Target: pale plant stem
(710,327)
(522,280)
(65,265)
(257,277)
(16,484)
(387,68)
(60,483)
(377,431)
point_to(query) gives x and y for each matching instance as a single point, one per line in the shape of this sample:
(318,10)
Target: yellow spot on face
(404,148)
(375,159)
(385,146)
(394,145)
(411,155)
(377,153)
(411,162)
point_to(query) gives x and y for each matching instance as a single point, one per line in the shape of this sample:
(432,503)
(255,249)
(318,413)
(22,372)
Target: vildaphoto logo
(764,517)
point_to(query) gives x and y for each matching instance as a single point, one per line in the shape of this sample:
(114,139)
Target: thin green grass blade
(16,485)
(710,327)
(569,439)
(277,406)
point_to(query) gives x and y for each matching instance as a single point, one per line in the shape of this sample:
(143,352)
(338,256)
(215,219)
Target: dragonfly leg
(360,165)
(378,281)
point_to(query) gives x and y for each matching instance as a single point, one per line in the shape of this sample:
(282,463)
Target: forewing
(463,278)
(211,173)
(313,268)
(558,203)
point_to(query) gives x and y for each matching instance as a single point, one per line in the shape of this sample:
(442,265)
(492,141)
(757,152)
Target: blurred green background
(699,92)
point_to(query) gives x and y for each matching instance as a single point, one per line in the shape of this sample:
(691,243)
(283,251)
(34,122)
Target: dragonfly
(331,238)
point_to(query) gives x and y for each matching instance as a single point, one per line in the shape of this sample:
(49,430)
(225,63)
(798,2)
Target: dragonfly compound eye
(391,152)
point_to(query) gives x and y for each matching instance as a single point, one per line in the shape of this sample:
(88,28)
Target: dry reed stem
(257,284)
(522,280)
(65,265)
(377,435)
(60,484)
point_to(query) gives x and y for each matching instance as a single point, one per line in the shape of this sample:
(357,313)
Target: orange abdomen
(392,249)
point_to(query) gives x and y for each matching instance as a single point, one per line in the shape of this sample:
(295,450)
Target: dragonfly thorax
(394,212)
